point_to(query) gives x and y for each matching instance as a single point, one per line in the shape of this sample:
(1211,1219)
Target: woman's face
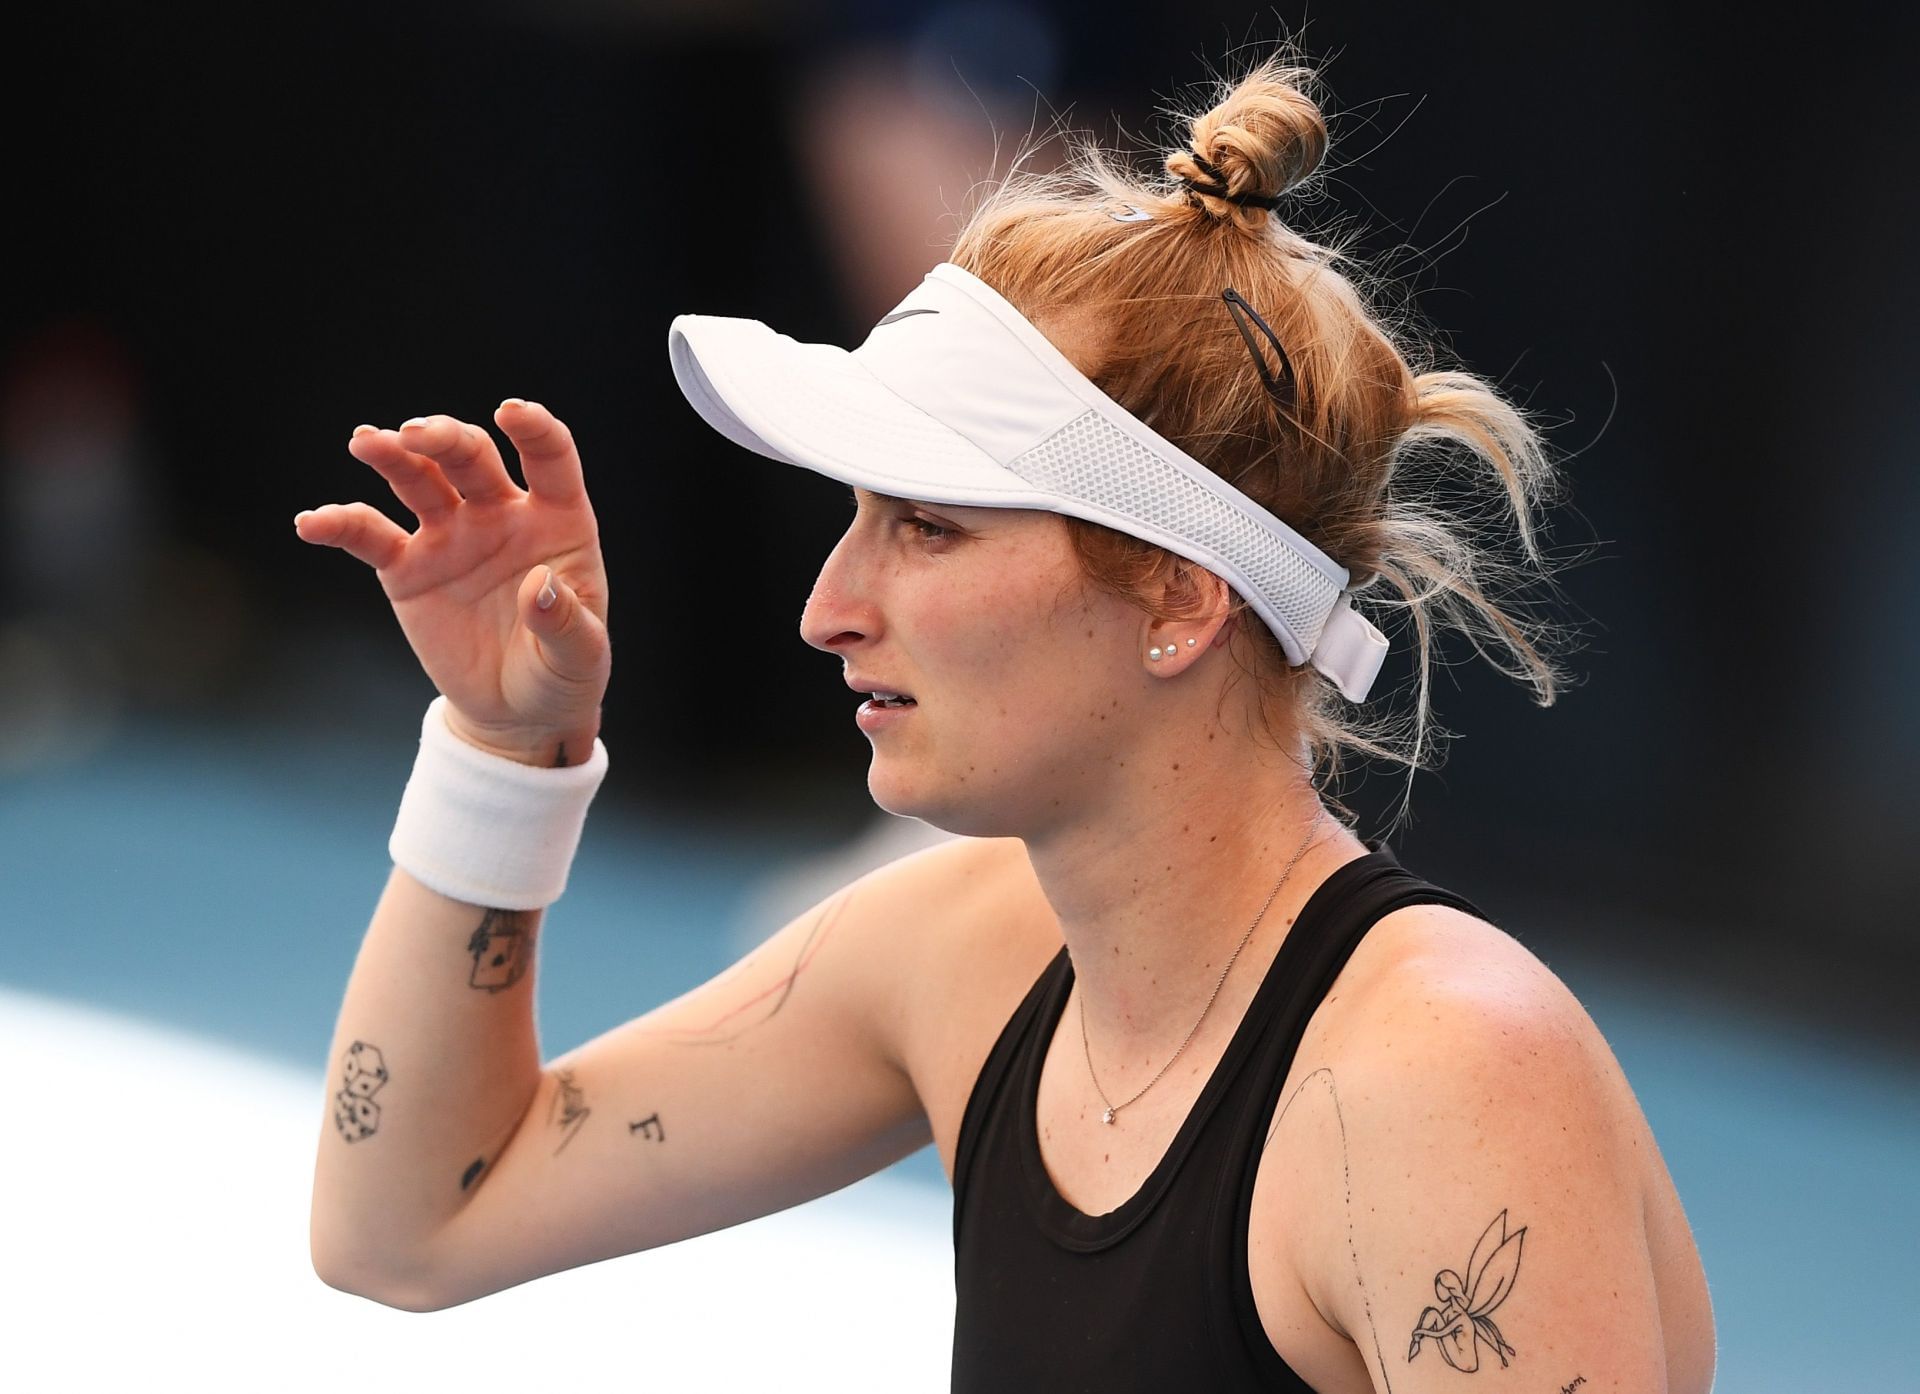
(1026,683)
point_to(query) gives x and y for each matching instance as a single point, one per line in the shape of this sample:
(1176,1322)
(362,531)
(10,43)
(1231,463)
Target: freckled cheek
(968,629)
(1006,674)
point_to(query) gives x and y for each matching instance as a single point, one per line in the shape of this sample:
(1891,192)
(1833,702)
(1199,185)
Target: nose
(840,609)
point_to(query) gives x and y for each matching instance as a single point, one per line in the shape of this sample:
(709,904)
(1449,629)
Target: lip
(861,682)
(870,718)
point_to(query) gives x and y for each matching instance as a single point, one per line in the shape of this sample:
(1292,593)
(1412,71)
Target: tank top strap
(990,1085)
(1369,888)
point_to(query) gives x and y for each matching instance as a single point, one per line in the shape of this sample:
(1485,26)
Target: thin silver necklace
(1113,1108)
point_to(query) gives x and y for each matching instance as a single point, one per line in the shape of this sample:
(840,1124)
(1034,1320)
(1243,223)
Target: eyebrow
(889,500)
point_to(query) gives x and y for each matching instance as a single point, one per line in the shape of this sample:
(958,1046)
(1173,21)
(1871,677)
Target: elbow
(406,1293)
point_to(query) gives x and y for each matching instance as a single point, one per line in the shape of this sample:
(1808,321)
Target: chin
(935,807)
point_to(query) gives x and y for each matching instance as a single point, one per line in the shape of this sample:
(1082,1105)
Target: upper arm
(1493,1213)
(777,1081)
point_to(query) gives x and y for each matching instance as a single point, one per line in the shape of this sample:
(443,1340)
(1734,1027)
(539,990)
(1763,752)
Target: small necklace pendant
(1107,1117)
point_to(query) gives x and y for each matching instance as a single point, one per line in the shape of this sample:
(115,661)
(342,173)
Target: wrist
(555,750)
(484,828)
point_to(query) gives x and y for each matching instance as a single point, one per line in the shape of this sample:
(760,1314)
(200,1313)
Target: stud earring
(1154,653)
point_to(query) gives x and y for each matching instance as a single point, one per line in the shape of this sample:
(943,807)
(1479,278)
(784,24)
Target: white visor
(956,398)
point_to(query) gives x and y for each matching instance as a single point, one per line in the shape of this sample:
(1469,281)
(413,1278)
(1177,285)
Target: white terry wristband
(486,830)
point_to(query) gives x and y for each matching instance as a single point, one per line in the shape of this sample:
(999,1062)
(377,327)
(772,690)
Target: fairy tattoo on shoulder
(1464,1318)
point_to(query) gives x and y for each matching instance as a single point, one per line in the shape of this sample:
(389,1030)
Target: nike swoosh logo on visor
(902,314)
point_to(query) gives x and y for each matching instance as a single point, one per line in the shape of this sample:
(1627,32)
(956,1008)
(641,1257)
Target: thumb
(550,608)
(569,637)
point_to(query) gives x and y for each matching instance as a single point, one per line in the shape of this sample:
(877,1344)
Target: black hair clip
(1279,388)
(1218,189)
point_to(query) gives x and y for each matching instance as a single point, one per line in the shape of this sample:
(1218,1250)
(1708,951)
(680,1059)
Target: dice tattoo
(363,1073)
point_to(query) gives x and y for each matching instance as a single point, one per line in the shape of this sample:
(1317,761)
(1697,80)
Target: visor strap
(1350,650)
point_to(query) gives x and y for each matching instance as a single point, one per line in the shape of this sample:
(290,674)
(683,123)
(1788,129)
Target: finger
(572,639)
(547,457)
(466,455)
(416,480)
(359,529)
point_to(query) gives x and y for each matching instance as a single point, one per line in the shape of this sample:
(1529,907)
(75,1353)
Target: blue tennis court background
(220,879)
(1694,276)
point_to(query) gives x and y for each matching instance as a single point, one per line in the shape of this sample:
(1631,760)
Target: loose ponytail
(1399,467)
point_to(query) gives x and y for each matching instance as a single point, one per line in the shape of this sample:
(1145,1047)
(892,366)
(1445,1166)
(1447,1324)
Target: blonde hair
(1392,465)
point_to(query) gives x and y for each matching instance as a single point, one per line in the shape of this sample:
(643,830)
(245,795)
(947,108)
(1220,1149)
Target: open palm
(465,585)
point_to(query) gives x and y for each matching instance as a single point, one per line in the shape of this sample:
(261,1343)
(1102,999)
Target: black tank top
(1154,1295)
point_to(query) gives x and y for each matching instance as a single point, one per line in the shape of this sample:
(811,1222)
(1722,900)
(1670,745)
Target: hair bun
(1264,136)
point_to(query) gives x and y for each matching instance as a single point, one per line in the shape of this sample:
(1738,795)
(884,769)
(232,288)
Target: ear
(1192,584)
(1192,588)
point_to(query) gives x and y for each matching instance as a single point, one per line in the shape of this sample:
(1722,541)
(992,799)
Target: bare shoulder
(986,921)
(909,913)
(1434,978)
(1446,1001)
(972,896)
(1478,1110)
(984,933)
(967,864)
(962,896)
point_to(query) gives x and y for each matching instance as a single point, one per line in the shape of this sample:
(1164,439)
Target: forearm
(435,1059)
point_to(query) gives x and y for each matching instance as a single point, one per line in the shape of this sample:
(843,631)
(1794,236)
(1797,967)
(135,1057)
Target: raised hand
(467,585)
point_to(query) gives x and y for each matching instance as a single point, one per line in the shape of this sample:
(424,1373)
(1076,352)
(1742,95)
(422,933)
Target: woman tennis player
(1229,1098)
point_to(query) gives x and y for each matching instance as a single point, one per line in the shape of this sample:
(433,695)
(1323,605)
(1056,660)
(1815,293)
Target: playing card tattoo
(501,947)
(1464,1318)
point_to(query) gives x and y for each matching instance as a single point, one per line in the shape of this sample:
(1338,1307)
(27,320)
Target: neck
(1156,893)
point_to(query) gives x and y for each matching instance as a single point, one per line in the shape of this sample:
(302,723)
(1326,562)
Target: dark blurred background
(1682,234)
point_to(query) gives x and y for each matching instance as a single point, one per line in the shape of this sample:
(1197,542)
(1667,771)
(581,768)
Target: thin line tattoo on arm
(502,946)
(1464,1317)
(363,1073)
(1325,1077)
(810,947)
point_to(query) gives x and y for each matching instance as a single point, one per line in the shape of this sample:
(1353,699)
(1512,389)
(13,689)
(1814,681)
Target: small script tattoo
(466,1177)
(560,760)
(363,1072)
(646,1128)
(1464,1317)
(1578,1380)
(568,1109)
(502,947)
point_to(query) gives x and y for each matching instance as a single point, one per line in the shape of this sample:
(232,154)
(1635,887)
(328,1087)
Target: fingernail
(361,430)
(513,402)
(303,513)
(416,421)
(547,593)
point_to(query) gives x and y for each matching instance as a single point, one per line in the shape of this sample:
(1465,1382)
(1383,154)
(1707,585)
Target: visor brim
(817,406)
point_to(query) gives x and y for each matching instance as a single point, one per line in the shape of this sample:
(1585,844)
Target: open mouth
(892,701)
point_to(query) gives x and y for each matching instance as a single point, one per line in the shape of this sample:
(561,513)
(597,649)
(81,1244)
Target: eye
(934,532)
